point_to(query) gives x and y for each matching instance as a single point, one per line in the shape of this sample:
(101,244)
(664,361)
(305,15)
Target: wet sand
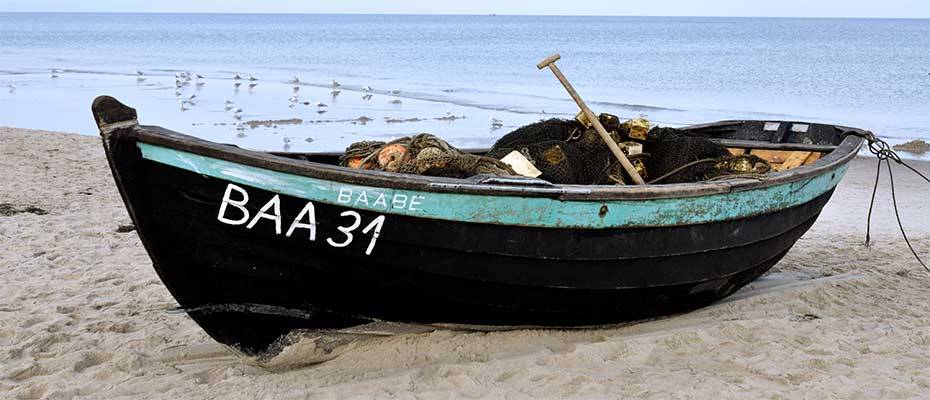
(83,315)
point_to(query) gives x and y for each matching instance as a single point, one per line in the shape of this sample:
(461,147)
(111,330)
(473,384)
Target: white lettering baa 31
(306,218)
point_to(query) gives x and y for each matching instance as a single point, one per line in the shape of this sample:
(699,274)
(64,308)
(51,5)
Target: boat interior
(784,144)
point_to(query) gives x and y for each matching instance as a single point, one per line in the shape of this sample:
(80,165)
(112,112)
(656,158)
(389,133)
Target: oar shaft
(614,148)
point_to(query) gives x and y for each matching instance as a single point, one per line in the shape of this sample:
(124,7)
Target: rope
(883,152)
(681,168)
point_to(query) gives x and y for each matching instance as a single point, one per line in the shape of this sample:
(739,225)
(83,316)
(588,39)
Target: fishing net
(565,152)
(423,154)
(675,156)
(568,152)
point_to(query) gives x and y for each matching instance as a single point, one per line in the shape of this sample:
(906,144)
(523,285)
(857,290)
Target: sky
(739,8)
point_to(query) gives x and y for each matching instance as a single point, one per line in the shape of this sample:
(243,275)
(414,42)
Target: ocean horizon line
(748,17)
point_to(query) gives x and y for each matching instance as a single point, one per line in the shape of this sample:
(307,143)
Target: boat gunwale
(158,136)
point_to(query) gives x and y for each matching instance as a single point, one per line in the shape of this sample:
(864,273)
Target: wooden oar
(630,169)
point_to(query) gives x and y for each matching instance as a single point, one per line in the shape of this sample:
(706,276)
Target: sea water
(468,79)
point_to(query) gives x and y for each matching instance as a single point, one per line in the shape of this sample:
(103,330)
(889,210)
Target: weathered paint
(508,210)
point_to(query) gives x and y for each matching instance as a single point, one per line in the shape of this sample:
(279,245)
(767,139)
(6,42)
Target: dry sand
(83,315)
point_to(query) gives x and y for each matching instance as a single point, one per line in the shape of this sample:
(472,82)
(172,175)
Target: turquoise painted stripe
(506,210)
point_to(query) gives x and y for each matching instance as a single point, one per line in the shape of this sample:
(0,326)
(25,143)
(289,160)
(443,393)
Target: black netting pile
(566,152)
(563,150)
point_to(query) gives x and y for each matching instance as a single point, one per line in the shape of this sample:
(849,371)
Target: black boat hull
(248,284)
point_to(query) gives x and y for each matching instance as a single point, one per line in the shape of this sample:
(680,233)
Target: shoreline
(84,314)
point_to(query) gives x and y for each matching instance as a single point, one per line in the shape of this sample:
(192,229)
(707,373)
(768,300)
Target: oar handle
(614,148)
(548,60)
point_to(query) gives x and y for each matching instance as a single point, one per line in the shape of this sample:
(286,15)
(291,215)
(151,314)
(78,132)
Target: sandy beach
(83,314)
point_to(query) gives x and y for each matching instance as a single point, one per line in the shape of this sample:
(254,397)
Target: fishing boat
(256,244)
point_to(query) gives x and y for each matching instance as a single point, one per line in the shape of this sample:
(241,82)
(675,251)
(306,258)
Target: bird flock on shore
(184,80)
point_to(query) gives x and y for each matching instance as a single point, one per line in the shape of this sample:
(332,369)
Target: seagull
(140,73)
(296,89)
(177,75)
(252,85)
(228,102)
(192,97)
(395,92)
(335,92)
(54,76)
(178,84)
(496,123)
(293,99)
(237,84)
(140,78)
(200,84)
(286,139)
(366,97)
(12,88)
(320,104)
(227,107)
(252,78)
(54,70)
(198,76)
(366,88)
(335,84)
(320,111)
(177,93)
(238,111)
(181,103)
(295,81)
(395,101)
